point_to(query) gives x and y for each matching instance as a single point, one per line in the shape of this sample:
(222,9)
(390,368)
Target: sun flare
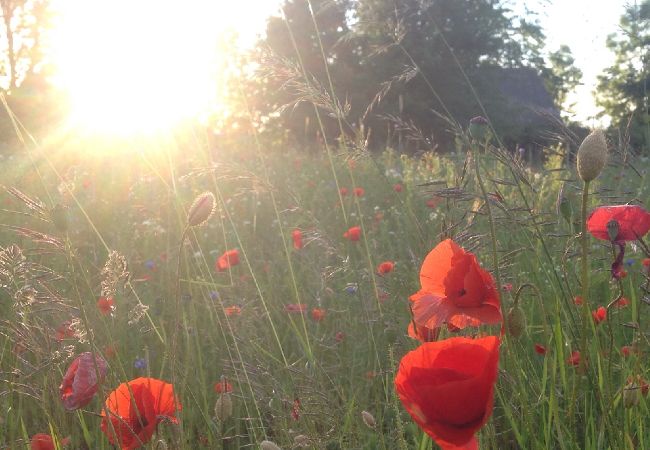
(132,67)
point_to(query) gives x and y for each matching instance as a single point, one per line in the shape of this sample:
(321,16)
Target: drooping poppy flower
(359,192)
(232,310)
(448,388)
(81,380)
(318,314)
(135,409)
(455,290)
(296,235)
(385,267)
(227,260)
(222,386)
(618,223)
(353,234)
(106,305)
(599,315)
(295,308)
(42,441)
(540,349)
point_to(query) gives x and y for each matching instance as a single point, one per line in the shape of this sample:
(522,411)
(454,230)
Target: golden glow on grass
(139,67)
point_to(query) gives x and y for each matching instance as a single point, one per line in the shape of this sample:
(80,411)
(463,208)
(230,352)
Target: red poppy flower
(227,260)
(65,331)
(646,262)
(42,441)
(574,359)
(632,222)
(339,337)
(455,290)
(359,191)
(434,202)
(385,267)
(398,187)
(296,235)
(295,308)
(222,387)
(448,388)
(106,305)
(81,380)
(135,409)
(353,234)
(540,349)
(232,310)
(577,300)
(621,302)
(318,314)
(343,191)
(599,315)
(626,350)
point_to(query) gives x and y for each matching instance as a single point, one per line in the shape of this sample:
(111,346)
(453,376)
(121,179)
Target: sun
(140,67)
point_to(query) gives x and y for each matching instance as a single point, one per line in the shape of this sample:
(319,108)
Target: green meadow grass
(291,374)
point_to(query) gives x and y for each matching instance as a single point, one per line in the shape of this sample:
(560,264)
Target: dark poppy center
(462,292)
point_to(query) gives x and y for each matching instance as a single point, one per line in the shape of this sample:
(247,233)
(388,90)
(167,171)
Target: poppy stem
(493,234)
(584,277)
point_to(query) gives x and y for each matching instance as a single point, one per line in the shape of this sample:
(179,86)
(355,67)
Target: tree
(624,88)
(561,75)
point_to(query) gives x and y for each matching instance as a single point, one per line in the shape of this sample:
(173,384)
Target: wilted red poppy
(296,235)
(299,308)
(81,380)
(540,349)
(618,223)
(232,310)
(227,260)
(448,388)
(385,267)
(42,441)
(455,290)
(398,187)
(353,234)
(222,387)
(318,314)
(106,305)
(135,409)
(574,359)
(599,315)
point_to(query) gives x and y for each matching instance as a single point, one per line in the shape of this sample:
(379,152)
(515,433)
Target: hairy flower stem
(493,234)
(584,276)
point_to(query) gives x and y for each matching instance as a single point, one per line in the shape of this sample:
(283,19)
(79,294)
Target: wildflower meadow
(362,225)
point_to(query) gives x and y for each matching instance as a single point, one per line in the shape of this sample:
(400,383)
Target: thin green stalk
(584,275)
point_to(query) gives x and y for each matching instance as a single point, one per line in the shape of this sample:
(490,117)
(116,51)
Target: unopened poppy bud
(201,210)
(223,407)
(631,395)
(368,419)
(59,217)
(592,155)
(516,320)
(301,441)
(479,128)
(613,228)
(268,445)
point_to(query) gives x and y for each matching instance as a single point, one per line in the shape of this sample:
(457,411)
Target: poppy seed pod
(201,210)
(368,419)
(268,445)
(223,407)
(516,320)
(592,155)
